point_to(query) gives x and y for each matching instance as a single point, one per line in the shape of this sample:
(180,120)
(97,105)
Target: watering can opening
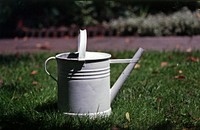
(72,55)
(89,56)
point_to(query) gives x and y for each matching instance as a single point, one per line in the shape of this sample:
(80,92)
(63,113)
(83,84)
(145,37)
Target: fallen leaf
(189,50)
(34,72)
(158,99)
(128,116)
(164,64)
(25,38)
(178,46)
(180,71)
(34,82)
(170,57)
(126,126)
(193,59)
(20,78)
(43,46)
(127,40)
(1,82)
(16,38)
(37,66)
(137,66)
(17,55)
(38,45)
(115,128)
(179,77)
(194,118)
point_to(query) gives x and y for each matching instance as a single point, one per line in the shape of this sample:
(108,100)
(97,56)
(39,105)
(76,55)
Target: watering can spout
(118,84)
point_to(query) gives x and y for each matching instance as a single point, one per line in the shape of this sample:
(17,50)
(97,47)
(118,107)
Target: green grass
(153,96)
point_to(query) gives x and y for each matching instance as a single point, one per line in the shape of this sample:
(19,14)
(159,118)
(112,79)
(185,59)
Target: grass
(163,93)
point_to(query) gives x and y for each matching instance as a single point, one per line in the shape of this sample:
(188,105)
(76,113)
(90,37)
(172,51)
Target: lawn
(163,92)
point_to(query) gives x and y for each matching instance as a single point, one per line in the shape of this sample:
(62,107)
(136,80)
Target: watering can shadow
(84,81)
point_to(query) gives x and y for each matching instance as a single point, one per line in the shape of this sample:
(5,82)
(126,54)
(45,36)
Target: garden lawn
(162,92)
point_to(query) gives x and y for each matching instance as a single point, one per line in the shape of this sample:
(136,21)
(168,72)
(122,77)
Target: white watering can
(84,80)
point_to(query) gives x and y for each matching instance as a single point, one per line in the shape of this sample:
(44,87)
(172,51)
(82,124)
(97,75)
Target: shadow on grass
(74,122)
(22,120)
(18,121)
(47,107)
(167,125)
(47,117)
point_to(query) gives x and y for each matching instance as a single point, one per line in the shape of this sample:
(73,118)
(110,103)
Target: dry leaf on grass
(43,46)
(127,40)
(170,57)
(20,78)
(115,128)
(128,116)
(137,66)
(1,82)
(25,38)
(189,50)
(179,77)
(34,82)
(180,71)
(193,59)
(34,72)
(164,64)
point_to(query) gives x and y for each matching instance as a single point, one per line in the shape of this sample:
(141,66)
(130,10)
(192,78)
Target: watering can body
(84,86)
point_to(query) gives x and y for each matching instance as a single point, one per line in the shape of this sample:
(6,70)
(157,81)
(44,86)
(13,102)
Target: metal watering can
(84,80)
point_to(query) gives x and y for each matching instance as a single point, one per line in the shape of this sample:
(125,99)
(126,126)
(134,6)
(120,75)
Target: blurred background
(19,18)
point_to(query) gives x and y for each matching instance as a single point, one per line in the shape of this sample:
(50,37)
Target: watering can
(84,80)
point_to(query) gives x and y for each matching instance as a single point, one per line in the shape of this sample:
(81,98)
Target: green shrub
(47,13)
(183,22)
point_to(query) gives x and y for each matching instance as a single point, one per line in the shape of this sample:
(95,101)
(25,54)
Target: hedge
(47,13)
(183,22)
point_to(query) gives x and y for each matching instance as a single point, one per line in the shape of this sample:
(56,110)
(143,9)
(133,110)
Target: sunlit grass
(155,96)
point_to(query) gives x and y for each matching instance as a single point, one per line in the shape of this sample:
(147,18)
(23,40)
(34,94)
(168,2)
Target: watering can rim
(89,56)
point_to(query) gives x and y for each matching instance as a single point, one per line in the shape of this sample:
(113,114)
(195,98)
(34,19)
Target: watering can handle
(45,67)
(82,43)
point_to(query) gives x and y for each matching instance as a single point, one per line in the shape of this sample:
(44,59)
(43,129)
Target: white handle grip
(82,43)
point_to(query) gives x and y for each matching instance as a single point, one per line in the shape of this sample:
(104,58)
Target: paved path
(66,44)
